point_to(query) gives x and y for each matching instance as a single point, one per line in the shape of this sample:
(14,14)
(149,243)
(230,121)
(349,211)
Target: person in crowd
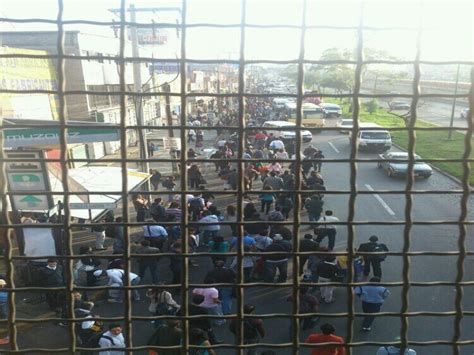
(274,181)
(155,179)
(218,245)
(394,349)
(141,206)
(248,264)
(4,337)
(157,210)
(373,246)
(113,338)
(176,262)
(307,244)
(314,207)
(327,229)
(168,334)
(319,156)
(275,167)
(199,338)
(266,199)
(146,262)
(119,236)
(52,276)
(373,297)
(231,216)
(173,212)
(169,185)
(307,304)
(99,233)
(285,203)
(161,304)
(156,235)
(203,323)
(254,329)
(327,271)
(87,264)
(223,274)
(212,301)
(210,226)
(87,328)
(326,336)
(195,176)
(277,261)
(116,278)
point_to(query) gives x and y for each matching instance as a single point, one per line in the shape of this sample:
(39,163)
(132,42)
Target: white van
(371,136)
(286,130)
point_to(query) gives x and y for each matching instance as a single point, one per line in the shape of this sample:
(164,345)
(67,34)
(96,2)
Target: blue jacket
(372,294)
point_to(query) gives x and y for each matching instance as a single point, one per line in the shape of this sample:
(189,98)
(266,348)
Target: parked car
(331,110)
(464,113)
(399,105)
(345,123)
(285,130)
(393,167)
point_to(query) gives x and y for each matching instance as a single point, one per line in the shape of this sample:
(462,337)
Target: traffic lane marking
(381,201)
(333,147)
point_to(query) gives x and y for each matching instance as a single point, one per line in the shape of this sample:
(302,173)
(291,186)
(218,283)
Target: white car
(285,130)
(331,110)
(345,125)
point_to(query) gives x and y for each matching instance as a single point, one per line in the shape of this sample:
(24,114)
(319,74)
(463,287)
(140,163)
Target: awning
(97,179)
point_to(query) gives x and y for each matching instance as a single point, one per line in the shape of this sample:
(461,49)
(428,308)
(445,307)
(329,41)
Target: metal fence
(295,345)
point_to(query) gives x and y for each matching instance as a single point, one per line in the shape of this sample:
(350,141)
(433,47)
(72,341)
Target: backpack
(163,308)
(250,330)
(93,341)
(378,248)
(195,204)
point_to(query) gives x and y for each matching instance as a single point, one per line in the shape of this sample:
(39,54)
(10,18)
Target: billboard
(27,74)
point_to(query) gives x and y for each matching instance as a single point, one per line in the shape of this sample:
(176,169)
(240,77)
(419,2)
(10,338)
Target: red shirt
(329,349)
(260,136)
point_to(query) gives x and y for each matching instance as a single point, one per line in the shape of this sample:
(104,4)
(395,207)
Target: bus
(313,115)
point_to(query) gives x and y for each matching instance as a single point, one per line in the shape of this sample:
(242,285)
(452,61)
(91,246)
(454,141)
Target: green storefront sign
(27,137)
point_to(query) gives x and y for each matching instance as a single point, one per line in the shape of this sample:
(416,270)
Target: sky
(448,25)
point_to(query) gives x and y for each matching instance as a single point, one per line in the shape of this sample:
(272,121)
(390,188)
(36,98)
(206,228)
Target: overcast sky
(448,35)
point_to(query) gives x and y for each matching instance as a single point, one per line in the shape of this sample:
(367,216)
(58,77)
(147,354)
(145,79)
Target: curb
(442,172)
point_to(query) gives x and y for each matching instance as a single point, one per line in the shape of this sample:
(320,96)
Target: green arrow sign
(31,200)
(26,178)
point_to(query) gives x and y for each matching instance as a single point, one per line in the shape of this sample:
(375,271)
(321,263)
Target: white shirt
(118,342)
(213,222)
(154,231)
(115,276)
(391,350)
(277,144)
(328,219)
(281,155)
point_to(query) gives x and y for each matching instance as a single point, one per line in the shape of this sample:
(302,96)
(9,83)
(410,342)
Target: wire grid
(408,222)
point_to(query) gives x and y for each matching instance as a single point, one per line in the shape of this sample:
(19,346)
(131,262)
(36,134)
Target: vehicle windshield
(375,135)
(312,113)
(346,123)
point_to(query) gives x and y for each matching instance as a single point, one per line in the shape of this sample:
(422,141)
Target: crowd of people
(271,173)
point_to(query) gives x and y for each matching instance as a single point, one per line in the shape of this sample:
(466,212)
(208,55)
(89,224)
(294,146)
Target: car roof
(400,155)
(280,123)
(328,104)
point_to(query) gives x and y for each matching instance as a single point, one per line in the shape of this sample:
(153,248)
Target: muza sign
(18,137)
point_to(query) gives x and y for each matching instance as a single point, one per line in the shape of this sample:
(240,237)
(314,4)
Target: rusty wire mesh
(294,346)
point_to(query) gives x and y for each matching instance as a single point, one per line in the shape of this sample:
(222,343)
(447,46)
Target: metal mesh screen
(294,345)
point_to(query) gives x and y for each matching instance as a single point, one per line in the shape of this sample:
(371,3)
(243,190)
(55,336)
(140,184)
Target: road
(429,207)
(431,109)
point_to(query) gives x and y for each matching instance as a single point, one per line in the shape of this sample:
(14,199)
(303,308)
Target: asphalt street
(383,207)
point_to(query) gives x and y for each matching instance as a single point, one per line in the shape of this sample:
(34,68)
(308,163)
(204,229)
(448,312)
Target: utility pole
(137,79)
(450,132)
(169,118)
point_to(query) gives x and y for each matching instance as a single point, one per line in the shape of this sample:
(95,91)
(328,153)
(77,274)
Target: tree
(339,77)
(372,106)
